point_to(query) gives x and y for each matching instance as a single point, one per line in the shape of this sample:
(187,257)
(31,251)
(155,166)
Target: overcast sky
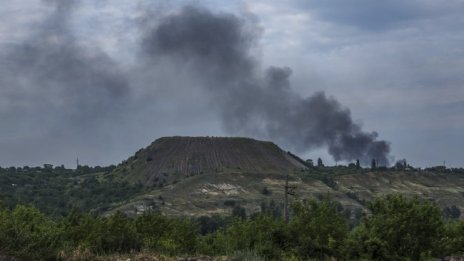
(397,65)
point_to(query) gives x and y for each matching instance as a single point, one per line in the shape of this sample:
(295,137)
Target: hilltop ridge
(169,159)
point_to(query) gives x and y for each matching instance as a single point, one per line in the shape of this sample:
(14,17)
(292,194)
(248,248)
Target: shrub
(453,241)
(27,234)
(167,235)
(399,228)
(317,230)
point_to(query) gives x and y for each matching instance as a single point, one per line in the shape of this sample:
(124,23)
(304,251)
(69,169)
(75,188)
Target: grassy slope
(198,176)
(208,193)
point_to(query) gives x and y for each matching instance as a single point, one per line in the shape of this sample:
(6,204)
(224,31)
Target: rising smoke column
(218,49)
(57,94)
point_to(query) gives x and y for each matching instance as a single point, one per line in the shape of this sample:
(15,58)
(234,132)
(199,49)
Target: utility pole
(288,191)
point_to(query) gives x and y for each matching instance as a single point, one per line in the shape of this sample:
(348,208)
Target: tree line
(396,228)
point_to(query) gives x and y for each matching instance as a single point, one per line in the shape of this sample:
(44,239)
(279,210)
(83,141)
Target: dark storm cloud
(218,49)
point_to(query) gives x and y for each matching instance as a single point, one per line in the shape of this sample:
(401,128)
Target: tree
(319,162)
(373,164)
(358,165)
(119,234)
(27,234)
(453,242)
(167,235)
(398,228)
(239,211)
(317,229)
(309,162)
(452,212)
(263,234)
(401,164)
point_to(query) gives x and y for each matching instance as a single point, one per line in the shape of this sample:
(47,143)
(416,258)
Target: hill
(221,193)
(171,159)
(209,175)
(204,176)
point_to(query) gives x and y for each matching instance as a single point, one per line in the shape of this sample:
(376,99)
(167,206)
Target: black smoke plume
(218,49)
(58,95)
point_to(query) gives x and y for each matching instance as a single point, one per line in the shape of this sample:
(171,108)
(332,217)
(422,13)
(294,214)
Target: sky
(78,80)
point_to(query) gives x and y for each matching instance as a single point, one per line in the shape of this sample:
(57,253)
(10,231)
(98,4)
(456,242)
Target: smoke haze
(218,49)
(57,90)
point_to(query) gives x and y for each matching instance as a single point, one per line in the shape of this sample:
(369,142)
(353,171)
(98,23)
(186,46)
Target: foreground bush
(167,235)
(99,235)
(317,230)
(262,235)
(453,241)
(397,228)
(27,234)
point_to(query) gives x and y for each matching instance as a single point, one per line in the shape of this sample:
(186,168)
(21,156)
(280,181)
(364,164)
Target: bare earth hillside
(209,175)
(173,158)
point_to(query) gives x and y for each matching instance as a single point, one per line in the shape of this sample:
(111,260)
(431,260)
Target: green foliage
(398,229)
(28,234)
(263,234)
(452,212)
(317,229)
(247,255)
(99,235)
(210,224)
(55,191)
(120,234)
(272,208)
(239,212)
(167,235)
(453,242)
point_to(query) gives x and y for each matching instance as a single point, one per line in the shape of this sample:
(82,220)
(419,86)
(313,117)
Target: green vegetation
(55,191)
(397,228)
(226,199)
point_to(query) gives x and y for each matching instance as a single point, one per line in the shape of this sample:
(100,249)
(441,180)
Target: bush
(317,229)
(264,235)
(167,235)
(27,234)
(100,235)
(454,238)
(398,229)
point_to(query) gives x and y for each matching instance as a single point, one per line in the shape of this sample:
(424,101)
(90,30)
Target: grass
(353,188)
